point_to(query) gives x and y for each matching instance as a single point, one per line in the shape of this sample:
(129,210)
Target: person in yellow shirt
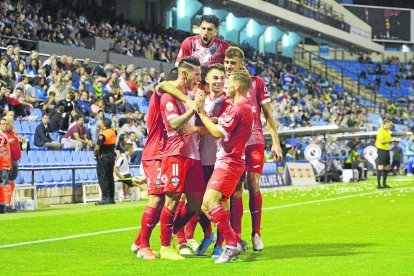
(382,143)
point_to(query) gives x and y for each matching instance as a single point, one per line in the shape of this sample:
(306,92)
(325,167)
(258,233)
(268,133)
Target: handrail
(33,169)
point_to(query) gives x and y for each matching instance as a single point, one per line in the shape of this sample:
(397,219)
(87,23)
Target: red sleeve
(169,106)
(262,93)
(185,50)
(229,120)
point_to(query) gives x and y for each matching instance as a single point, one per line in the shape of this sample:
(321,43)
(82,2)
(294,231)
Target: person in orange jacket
(15,157)
(5,163)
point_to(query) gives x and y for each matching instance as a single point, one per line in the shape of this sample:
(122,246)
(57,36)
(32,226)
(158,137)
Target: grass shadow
(306,251)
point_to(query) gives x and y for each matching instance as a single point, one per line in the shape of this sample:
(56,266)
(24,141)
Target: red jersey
(154,145)
(15,151)
(175,144)
(258,96)
(236,125)
(192,46)
(5,155)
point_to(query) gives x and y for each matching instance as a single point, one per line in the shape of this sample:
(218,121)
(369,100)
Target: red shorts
(152,170)
(207,171)
(223,181)
(181,174)
(255,158)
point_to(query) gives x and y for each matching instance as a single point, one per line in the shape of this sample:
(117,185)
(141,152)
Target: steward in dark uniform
(105,156)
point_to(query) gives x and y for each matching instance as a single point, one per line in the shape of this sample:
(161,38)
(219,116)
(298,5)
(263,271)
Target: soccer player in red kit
(205,46)
(234,128)
(151,163)
(214,105)
(259,99)
(181,170)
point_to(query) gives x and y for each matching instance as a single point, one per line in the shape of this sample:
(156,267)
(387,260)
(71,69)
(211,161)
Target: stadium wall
(99,56)
(346,55)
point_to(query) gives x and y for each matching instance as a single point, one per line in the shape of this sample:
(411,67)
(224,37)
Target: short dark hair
(78,117)
(172,75)
(107,122)
(210,18)
(189,63)
(215,66)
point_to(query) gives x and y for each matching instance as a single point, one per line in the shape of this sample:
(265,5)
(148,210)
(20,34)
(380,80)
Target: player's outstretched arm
(168,87)
(272,128)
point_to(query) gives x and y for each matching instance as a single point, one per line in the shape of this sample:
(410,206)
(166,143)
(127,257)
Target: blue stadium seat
(19,178)
(66,175)
(27,177)
(92,175)
(48,176)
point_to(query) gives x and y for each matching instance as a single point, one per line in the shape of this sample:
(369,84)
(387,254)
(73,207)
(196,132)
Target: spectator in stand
(84,104)
(120,146)
(56,119)
(50,105)
(16,102)
(76,137)
(42,135)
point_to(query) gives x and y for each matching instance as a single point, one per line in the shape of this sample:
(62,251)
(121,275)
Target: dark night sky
(387,3)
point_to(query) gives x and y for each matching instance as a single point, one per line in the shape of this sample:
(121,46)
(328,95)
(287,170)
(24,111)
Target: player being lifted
(259,100)
(205,46)
(234,128)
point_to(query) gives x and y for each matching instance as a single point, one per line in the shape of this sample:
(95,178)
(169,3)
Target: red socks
(236,208)
(220,238)
(166,222)
(190,227)
(149,219)
(205,223)
(182,218)
(220,219)
(255,205)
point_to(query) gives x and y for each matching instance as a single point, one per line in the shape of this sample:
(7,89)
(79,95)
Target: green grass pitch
(336,229)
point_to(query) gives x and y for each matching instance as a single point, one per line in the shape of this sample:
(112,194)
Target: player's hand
(277,152)
(214,120)
(185,130)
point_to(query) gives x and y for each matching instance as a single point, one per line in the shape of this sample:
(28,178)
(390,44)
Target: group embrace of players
(203,142)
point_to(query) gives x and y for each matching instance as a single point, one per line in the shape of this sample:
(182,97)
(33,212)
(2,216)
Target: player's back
(233,145)
(258,96)
(154,145)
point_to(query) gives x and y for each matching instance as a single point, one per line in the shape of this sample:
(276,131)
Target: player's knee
(238,194)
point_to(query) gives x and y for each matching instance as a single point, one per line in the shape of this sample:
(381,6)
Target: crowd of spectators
(64,87)
(70,22)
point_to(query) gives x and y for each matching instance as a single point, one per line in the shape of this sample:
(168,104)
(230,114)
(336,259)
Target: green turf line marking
(138,227)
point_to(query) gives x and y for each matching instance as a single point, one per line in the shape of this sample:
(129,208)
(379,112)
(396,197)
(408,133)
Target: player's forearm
(200,130)
(178,122)
(173,91)
(210,126)
(271,123)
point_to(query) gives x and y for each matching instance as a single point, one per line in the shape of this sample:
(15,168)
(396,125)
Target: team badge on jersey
(164,179)
(175,181)
(158,183)
(213,49)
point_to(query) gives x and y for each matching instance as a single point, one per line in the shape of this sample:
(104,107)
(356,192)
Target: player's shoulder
(257,80)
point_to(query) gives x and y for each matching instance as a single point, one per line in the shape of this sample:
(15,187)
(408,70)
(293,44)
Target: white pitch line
(70,237)
(138,227)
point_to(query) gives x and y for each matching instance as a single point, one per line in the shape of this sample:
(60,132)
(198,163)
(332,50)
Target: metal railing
(56,168)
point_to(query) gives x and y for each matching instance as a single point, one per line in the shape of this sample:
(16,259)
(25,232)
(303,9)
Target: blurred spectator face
(45,119)
(84,96)
(207,32)
(80,121)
